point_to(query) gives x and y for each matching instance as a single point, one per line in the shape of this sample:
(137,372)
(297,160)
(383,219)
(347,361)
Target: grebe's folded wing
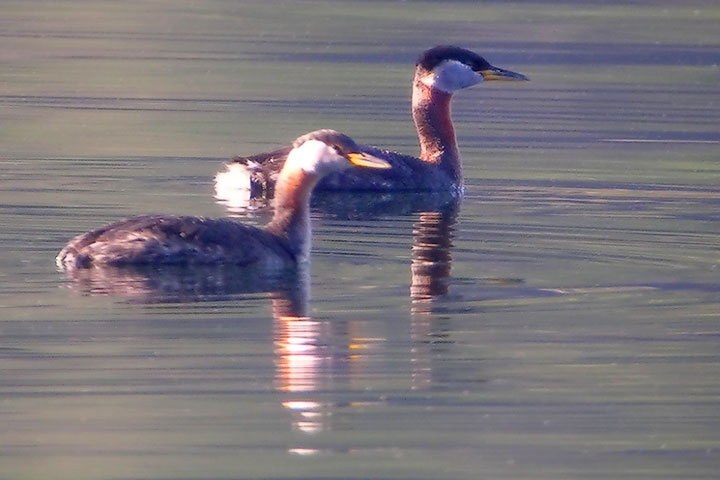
(407,173)
(262,169)
(160,239)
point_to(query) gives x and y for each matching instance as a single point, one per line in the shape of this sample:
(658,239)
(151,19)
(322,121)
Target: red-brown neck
(431,114)
(291,220)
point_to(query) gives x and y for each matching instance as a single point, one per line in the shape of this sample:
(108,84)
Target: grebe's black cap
(430,59)
(433,57)
(340,141)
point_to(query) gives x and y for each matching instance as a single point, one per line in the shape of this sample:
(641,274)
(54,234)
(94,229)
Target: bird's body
(407,174)
(282,243)
(439,73)
(166,239)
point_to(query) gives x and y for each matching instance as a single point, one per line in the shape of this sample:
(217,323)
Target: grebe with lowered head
(282,243)
(439,72)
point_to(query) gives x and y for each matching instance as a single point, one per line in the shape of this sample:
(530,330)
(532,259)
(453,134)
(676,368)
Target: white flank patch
(232,187)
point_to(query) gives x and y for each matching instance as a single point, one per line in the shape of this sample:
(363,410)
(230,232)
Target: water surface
(559,322)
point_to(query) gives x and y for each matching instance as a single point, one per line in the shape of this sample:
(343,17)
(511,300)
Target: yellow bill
(362,159)
(495,73)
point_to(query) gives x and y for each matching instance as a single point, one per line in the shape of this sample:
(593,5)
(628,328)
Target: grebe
(439,72)
(282,243)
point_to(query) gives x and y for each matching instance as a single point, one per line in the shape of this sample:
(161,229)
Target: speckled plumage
(164,239)
(408,173)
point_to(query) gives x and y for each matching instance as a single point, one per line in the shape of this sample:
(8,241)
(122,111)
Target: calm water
(561,322)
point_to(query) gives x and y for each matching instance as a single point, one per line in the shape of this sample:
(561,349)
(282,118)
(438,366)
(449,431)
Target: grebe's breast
(160,239)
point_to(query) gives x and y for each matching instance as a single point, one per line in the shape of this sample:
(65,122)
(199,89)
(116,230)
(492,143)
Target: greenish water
(561,322)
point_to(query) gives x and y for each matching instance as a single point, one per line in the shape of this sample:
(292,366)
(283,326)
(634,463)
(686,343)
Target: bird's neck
(431,114)
(291,221)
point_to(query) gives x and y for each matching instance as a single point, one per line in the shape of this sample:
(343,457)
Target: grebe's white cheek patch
(316,157)
(307,156)
(451,76)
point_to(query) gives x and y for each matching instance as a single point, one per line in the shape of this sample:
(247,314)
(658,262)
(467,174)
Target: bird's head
(450,68)
(325,151)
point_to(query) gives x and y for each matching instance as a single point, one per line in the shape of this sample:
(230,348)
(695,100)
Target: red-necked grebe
(282,243)
(439,72)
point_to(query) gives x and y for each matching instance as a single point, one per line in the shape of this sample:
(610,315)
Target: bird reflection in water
(177,283)
(430,280)
(312,357)
(308,364)
(431,259)
(304,364)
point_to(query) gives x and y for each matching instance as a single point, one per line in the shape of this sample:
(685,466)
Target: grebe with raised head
(282,243)
(439,72)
